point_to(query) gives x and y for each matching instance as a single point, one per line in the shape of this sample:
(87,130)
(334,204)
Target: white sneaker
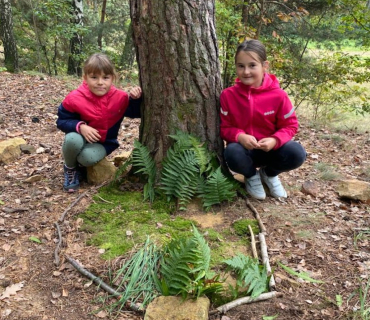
(254,187)
(274,184)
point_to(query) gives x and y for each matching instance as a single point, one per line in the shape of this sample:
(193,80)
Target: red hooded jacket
(262,112)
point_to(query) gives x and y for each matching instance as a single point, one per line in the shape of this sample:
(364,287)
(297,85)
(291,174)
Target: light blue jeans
(76,150)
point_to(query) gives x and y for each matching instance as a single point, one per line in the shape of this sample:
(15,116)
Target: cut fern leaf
(186,141)
(249,274)
(180,175)
(142,160)
(217,189)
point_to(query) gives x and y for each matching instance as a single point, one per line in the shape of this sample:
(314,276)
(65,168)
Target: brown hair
(99,63)
(255,46)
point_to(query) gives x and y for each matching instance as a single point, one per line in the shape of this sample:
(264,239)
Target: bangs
(97,64)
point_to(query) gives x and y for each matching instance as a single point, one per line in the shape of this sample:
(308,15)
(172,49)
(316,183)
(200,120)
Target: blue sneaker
(71,182)
(274,184)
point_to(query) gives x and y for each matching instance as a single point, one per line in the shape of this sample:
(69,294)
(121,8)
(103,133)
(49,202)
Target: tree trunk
(74,60)
(179,71)
(7,36)
(102,19)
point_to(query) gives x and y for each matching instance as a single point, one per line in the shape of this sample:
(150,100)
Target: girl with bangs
(91,117)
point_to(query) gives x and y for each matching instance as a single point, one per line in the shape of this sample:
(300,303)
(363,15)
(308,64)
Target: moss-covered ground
(120,221)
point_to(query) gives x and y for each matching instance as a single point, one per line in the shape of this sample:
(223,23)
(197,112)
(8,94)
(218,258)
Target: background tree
(74,60)
(179,70)
(102,19)
(7,36)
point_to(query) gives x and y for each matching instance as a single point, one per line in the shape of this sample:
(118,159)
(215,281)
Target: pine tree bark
(179,69)
(7,36)
(74,61)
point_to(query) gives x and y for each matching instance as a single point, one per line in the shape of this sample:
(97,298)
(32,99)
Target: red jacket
(262,112)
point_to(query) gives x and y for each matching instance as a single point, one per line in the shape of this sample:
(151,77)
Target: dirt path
(320,235)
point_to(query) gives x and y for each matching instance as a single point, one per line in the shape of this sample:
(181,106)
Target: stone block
(174,308)
(102,171)
(10,149)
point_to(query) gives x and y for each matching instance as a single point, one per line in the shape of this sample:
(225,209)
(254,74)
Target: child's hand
(248,142)
(267,144)
(89,133)
(135,93)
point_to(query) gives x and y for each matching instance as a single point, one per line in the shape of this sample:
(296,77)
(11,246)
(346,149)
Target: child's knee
(75,139)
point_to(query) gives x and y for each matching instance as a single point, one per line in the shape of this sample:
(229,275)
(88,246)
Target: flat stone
(101,172)
(354,189)
(174,308)
(10,150)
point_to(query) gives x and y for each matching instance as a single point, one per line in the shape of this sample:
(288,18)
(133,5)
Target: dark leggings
(288,157)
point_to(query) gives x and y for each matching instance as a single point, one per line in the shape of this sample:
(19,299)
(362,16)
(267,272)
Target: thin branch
(265,260)
(257,216)
(253,243)
(56,252)
(61,219)
(238,302)
(99,281)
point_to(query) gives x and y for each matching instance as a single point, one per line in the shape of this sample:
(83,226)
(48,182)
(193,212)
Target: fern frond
(217,189)
(256,280)
(249,274)
(179,175)
(204,253)
(142,160)
(186,141)
(175,266)
(122,169)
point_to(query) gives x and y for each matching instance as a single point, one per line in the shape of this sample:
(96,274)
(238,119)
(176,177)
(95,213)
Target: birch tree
(74,60)
(7,36)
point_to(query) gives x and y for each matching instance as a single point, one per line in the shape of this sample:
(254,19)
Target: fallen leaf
(12,290)
(101,314)
(128,233)
(5,313)
(159,225)
(65,293)
(56,295)
(6,247)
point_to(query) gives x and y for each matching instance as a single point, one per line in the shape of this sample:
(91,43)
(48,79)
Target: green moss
(118,221)
(241,226)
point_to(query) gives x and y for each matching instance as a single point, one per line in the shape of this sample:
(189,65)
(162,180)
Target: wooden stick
(99,282)
(265,259)
(264,296)
(61,219)
(56,252)
(253,243)
(257,216)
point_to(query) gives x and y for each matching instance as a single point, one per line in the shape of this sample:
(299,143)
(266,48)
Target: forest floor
(320,234)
